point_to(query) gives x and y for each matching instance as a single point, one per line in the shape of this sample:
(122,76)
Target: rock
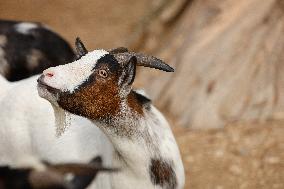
(228,59)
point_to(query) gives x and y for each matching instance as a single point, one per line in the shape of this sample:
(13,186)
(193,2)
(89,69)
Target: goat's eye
(103,73)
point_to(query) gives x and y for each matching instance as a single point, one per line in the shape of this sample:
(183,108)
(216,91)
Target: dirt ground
(240,156)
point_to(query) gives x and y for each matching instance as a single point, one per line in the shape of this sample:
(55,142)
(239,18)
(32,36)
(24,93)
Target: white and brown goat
(98,86)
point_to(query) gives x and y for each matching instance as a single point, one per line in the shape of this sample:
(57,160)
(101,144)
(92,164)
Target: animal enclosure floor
(242,156)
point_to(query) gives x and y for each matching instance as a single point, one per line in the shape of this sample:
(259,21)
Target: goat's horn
(80,48)
(118,50)
(80,168)
(152,62)
(144,60)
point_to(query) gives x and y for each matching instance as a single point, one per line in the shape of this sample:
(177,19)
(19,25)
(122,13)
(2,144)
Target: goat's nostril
(49,74)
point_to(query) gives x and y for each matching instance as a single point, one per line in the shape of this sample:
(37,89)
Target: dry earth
(240,156)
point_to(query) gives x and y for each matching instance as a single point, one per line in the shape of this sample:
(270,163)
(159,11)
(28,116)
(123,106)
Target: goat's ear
(128,72)
(80,48)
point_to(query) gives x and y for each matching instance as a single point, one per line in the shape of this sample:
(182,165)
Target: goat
(98,86)
(28,48)
(27,128)
(42,175)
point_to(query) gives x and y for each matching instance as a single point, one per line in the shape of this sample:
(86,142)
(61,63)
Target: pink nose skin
(48,73)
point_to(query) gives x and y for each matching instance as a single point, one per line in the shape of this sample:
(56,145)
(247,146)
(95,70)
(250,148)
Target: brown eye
(103,73)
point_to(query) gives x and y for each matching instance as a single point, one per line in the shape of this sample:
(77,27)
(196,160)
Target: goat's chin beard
(51,97)
(62,118)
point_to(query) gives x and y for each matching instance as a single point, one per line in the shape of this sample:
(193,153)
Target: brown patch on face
(98,99)
(162,174)
(103,96)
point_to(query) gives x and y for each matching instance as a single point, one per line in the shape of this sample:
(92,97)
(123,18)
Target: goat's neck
(129,133)
(142,142)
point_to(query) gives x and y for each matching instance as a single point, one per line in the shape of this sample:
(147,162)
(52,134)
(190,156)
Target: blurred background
(225,101)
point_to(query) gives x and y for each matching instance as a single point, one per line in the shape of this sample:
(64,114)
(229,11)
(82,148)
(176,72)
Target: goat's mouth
(42,84)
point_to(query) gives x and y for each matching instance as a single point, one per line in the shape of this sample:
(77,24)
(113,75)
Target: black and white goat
(28,48)
(34,174)
(98,86)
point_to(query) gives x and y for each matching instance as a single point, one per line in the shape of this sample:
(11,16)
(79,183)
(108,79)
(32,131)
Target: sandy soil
(240,156)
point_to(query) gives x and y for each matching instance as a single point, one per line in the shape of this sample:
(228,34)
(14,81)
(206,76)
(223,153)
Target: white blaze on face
(69,77)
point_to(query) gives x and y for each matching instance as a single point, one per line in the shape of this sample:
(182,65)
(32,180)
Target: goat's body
(27,129)
(152,140)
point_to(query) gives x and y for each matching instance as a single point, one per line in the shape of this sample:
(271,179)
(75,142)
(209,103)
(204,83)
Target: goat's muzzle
(42,84)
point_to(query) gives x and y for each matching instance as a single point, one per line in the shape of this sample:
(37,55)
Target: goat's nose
(48,73)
